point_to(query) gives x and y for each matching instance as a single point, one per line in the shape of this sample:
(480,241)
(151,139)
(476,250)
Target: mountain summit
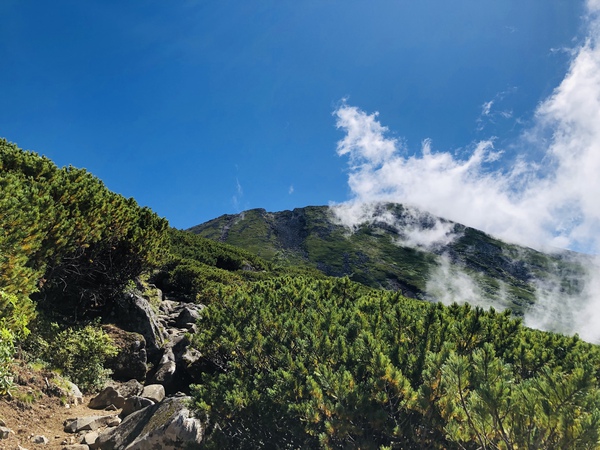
(403,249)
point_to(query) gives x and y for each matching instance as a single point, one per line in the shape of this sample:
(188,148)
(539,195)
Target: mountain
(401,249)
(273,352)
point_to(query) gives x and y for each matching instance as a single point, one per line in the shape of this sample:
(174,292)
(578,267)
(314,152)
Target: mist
(545,197)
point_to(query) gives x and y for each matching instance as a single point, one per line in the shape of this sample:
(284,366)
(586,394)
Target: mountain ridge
(378,252)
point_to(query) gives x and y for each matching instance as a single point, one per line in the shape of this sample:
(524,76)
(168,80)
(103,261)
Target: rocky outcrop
(131,361)
(168,425)
(140,318)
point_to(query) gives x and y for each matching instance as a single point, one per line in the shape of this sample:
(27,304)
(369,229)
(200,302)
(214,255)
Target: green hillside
(375,255)
(291,353)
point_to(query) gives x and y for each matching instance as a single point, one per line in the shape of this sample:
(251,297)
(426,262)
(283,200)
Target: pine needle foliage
(65,235)
(305,363)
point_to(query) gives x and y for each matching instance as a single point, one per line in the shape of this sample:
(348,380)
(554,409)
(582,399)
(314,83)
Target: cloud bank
(546,197)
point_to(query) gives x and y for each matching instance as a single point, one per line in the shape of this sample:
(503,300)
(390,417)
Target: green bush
(304,363)
(6,361)
(65,235)
(80,354)
(15,315)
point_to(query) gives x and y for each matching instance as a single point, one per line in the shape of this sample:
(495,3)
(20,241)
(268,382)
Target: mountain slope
(402,249)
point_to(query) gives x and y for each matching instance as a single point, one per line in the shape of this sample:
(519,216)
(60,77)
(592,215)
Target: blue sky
(201,108)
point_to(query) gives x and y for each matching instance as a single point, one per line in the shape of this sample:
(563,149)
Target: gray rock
(91,423)
(141,319)
(194,364)
(75,447)
(168,306)
(132,358)
(133,404)
(74,395)
(166,369)
(4,432)
(130,388)
(168,426)
(40,439)
(154,392)
(108,396)
(189,315)
(89,438)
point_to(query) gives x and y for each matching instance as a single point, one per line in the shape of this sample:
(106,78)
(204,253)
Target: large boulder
(135,403)
(137,315)
(131,361)
(108,396)
(168,425)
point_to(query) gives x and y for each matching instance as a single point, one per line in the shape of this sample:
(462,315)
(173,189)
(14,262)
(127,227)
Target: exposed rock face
(131,361)
(167,426)
(141,319)
(172,371)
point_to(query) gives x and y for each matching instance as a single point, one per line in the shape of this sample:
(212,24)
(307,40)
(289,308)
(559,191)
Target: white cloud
(551,203)
(239,194)
(486,108)
(291,189)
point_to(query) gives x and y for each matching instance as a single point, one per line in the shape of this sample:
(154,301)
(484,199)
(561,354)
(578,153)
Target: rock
(133,404)
(140,318)
(109,396)
(76,447)
(131,360)
(90,423)
(154,392)
(166,370)
(58,386)
(4,432)
(40,439)
(189,315)
(167,426)
(2,423)
(194,364)
(89,438)
(74,395)
(130,388)
(168,306)
(115,421)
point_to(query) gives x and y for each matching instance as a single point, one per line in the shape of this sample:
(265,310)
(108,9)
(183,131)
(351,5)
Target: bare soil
(35,410)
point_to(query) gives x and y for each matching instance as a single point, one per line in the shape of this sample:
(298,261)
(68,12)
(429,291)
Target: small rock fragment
(4,432)
(40,439)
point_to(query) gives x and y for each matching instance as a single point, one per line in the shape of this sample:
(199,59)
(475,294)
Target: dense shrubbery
(305,363)
(70,244)
(62,232)
(300,360)
(15,315)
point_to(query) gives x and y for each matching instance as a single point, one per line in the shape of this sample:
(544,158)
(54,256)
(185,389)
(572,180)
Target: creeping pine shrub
(6,360)
(80,355)
(15,314)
